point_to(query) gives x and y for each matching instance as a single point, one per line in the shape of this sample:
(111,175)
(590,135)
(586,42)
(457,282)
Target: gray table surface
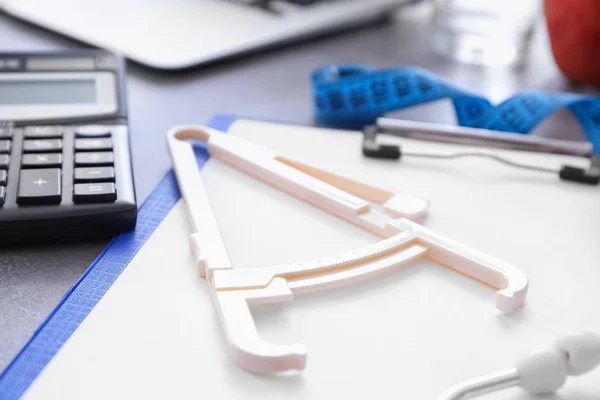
(270,85)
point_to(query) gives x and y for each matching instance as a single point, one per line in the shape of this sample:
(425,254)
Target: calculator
(65,163)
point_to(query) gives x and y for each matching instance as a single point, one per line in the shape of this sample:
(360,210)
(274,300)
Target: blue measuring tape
(354,96)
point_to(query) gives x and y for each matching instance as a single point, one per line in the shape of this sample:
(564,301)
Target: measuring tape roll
(354,96)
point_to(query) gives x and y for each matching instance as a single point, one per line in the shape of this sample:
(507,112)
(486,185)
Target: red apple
(574,29)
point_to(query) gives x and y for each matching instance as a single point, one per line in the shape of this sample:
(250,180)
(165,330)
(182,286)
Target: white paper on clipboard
(409,335)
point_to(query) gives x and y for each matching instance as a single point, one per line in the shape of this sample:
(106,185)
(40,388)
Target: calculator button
(4,146)
(39,186)
(96,131)
(3,177)
(93,144)
(2,195)
(88,192)
(95,174)
(42,145)
(41,160)
(4,159)
(43,132)
(6,133)
(97,158)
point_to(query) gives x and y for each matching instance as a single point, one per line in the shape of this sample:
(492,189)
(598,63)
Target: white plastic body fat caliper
(234,290)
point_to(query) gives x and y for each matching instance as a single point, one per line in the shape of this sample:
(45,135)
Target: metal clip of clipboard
(481,140)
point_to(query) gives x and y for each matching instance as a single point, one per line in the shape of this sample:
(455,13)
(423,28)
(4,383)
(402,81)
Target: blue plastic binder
(95,282)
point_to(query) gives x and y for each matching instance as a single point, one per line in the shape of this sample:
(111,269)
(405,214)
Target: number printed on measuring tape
(354,96)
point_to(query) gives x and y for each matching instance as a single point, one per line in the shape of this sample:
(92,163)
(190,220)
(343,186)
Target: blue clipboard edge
(83,296)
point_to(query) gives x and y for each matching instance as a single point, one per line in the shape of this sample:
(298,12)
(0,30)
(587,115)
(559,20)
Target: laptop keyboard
(268,3)
(271,6)
(304,2)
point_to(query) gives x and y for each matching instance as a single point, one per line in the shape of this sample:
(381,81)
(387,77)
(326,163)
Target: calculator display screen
(48,91)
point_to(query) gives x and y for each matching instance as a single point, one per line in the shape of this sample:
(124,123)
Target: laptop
(177,34)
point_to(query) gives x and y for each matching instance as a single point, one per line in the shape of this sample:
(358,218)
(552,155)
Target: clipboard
(69,312)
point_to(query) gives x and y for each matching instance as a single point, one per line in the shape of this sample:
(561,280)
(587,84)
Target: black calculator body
(65,164)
